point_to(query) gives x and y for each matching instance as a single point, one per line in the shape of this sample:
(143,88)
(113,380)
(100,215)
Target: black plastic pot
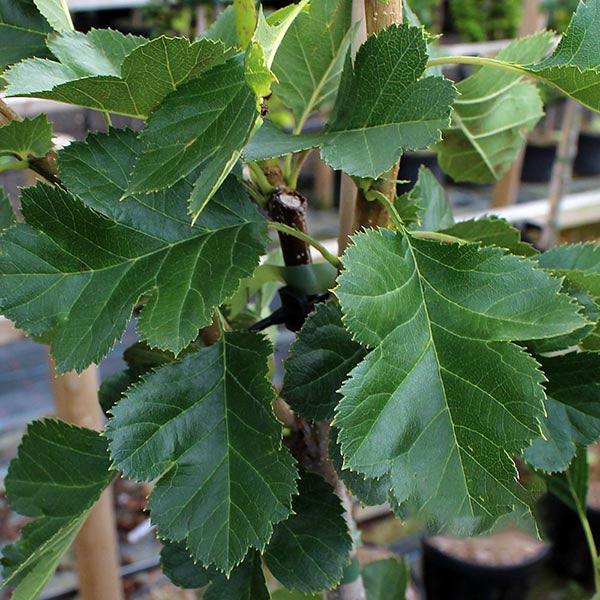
(538,162)
(409,169)
(570,554)
(587,161)
(449,578)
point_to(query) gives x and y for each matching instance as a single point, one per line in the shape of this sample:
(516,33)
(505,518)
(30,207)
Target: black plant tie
(295,307)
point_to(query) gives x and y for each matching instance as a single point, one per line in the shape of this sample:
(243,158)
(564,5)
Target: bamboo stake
(562,171)
(356,212)
(96,549)
(378,15)
(348,190)
(507,188)
(76,401)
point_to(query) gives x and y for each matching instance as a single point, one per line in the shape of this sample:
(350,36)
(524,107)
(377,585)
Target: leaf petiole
(328,256)
(396,218)
(260,179)
(14,165)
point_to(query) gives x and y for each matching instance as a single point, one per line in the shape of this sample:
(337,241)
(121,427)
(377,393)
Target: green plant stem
(260,200)
(581,512)
(434,236)
(16,165)
(259,177)
(328,256)
(107,119)
(295,168)
(592,548)
(480,61)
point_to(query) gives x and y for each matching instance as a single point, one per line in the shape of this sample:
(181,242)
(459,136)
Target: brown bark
(289,208)
(381,14)
(373,214)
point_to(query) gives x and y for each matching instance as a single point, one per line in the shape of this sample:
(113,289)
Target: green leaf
(258,76)
(113,388)
(246,582)
(98,52)
(283,594)
(202,125)
(108,71)
(204,427)
(223,28)
(80,265)
(59,473)
(573,66)
(370,491)
(23,31)
(140,358)
(271,30)
(177,564)
(383,108)
(573,408)
(26,138)
(572,485)
(580,265)
(308,551)
(271,142)
(405,297)
(386,579)
(7,214)
(490,114)
(426,206)
(310,59)
(318,363)
(492,231)
(56,13)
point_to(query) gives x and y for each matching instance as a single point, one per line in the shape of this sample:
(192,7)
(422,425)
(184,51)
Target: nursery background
(488,147)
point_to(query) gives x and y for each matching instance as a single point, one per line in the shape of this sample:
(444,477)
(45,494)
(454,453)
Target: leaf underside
(106,70)
(59,473)
(490,114)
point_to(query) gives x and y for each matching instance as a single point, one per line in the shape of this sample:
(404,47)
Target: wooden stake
(381,14)
(562,171)
(357,212)
(96,549)
(507,188)
(76,401)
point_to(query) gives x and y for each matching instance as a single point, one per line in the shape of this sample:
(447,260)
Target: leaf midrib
(438,366)
(165,248)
